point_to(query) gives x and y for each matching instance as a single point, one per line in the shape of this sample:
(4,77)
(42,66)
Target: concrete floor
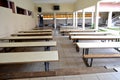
(70,60)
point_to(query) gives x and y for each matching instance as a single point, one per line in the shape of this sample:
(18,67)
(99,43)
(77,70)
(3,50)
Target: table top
(99,45)
(28,44)
(26,38)
(42,29)
(88,33)
(94,37)
(34,31)
(78,30)
(25,57)
(22,34)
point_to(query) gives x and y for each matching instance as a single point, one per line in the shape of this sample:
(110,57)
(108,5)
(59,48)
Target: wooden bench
(44,44)
(29,57)
(32,34)
(76,38)
(92,56)
(67,31)
(88,34)
(26,38)
(35,31)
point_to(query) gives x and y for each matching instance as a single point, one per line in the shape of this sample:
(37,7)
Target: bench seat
(91,56)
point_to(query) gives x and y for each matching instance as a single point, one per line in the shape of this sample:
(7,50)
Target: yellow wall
(81,4)
(11,22)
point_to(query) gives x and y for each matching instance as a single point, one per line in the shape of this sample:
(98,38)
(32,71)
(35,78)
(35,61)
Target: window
(21,11)
(4,3)
(12,6)
(29,13)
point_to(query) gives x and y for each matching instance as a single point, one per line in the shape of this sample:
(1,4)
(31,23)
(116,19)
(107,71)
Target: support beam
(76,19)
(55,21)
(73,19)
(92,20)
(109,19)
(83,19)
(96,16)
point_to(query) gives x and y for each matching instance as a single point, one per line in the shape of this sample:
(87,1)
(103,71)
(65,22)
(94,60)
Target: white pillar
(73,19)
(96,16)
(54,20)
(109,24)
(83,19)
(76,19)
(92,19)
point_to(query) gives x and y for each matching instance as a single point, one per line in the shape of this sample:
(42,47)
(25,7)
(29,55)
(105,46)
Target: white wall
(26,4)
(63,7)
(12,23)
(81,4)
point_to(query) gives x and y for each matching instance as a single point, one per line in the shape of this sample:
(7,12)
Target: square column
(92,20)
(76,19)
(73,19)
(54,20)
(96,16)
(109,24)
(83,19)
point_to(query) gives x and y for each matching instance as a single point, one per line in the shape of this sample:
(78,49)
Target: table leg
(46,66)
(83,51)
(86,50)
(77,48)
(47,40)
(47,48)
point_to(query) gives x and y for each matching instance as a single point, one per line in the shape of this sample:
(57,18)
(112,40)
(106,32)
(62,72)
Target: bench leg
(77,48)
(86,50)
(8,49)
(46,66)
(47,48)
(47,40)
(88,64)
(117,49)
(76,40)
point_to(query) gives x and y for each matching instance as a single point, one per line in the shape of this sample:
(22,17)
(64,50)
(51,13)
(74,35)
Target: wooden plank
(27,38)
(42,28)
(89,33)
(99,45)
(102,56)
(26,57)
(77,30)
(32,34)
(35,31)
(28,44)
(95,37)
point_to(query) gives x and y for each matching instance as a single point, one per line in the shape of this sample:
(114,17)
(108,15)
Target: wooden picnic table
(77,30)
(24,38)
(88,34)
(34,31)
(87,46)
(46,45)
(109,37)
(67,31)
(32,34)
(29,57)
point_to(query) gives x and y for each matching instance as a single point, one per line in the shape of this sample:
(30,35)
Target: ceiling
(54,1)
